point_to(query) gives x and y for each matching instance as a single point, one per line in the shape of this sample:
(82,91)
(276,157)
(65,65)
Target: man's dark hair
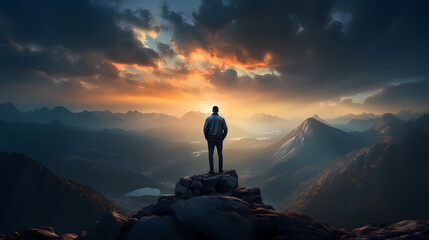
(215,109)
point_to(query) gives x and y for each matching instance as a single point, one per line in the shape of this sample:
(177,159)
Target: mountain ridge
(381,182)
(34,196)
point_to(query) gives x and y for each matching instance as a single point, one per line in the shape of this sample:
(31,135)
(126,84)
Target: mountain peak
(316,116)
(308,124)
(9,112)
(386,122)
(61,109)
(309,131)
(7,105)
(390,117)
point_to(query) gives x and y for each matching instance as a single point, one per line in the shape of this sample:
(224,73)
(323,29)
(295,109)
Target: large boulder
(223,183)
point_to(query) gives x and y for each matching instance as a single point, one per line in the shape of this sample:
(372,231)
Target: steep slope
(408,115)
(385,182)
(111,161)
(346,118)
(383,125)
(314,135)
(357,125)
(388,125)
(304,153)
(31,195)
(8,112)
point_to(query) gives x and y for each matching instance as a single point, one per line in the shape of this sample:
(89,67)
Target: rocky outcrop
(407,229)
(40,233)
(224,183)
(215,207)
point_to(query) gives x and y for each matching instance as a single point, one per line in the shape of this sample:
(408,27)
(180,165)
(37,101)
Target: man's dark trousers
(217,141)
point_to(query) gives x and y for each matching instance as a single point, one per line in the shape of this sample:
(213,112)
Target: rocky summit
(215,207)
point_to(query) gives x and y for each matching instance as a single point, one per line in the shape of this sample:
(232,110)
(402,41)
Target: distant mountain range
(112,161)
(87,119)
(158,125)
(404,115)
(31,195)
(363,124)
(349,179)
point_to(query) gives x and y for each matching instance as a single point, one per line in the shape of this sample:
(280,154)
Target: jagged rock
(166,198)
(197,184)
(248,194)
(68,236)
(112,226)
(186,181)
(225,182)
(407,229)
(40,233)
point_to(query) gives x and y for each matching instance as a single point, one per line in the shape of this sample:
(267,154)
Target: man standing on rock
(215,131)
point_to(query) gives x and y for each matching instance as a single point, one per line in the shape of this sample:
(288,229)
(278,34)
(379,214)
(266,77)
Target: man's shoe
(211,172)
(221,171)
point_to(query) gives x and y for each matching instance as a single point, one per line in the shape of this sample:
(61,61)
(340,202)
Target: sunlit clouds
(290,59)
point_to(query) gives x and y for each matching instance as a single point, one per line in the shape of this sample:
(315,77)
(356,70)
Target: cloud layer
(300,52)
(332,47)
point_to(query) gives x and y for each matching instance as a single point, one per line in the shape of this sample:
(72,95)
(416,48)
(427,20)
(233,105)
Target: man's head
(215,109)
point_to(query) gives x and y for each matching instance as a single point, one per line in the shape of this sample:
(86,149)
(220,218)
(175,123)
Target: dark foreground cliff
(31,195)
(215,207)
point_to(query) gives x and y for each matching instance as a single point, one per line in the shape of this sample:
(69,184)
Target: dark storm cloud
(141,18)
(401,95)
(228,78)
(165,49)
(265,84)
(372,43)
(66,38)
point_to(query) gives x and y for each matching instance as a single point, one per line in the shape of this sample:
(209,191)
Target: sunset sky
(285,58)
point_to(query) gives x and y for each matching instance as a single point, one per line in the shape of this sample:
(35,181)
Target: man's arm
(206,129)
(225,129)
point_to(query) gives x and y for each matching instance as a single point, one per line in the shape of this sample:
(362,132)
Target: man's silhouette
(215,131)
